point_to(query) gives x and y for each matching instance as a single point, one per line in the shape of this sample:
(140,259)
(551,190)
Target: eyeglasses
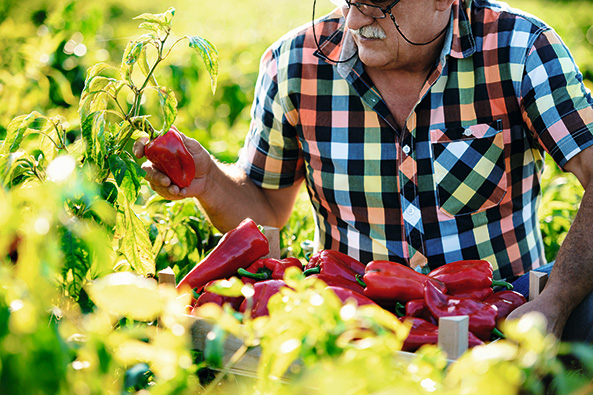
(373,11)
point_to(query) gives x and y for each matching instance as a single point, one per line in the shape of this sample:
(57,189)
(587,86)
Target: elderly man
(419,128)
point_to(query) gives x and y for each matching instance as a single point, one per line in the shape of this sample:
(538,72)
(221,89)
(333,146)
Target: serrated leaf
(127,173)
(209,55)
(17,130)
(134,241)
(168,103)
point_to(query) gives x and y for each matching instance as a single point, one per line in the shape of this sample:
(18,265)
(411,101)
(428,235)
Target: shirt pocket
(469,168)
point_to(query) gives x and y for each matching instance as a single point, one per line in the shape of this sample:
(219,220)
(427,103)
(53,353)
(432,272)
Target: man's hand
(555,315)
(162,184)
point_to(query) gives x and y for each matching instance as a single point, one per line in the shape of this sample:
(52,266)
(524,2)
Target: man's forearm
(572,276)
(228,196)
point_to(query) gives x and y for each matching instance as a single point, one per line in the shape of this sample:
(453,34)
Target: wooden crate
(453,331)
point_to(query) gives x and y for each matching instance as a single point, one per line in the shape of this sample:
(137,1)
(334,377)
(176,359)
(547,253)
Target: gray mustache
(370,31)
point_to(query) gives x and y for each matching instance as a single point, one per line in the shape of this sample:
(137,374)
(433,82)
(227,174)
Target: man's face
(379,43)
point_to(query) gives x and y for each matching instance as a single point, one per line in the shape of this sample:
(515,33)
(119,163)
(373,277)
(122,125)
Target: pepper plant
(112,115)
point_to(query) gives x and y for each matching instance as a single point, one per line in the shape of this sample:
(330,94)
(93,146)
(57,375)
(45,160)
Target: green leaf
(132,54)
(134,240)
(92,103)
(155,27)
(231,287)
(77,262)
(95,138)
(16,167)
(145,68)
(103,84)
(96,70)
(163,20)
(51,135)
(127,173)
(209,55)
(214,347)
(17,130)
(168,103)
(127,295)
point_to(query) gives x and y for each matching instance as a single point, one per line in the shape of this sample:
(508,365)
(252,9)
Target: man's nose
(356,19)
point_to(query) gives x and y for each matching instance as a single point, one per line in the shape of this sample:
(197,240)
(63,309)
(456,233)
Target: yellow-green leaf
(127,294)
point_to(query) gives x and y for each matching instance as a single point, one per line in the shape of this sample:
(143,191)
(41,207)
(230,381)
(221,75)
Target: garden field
(83,237)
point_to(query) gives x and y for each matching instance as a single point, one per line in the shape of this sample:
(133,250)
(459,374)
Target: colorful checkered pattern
(461,179)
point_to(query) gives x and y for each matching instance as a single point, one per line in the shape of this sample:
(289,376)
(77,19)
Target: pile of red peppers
(458,288)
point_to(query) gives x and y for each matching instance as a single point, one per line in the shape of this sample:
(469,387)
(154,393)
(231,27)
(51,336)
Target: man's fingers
(138,147)
(154,176)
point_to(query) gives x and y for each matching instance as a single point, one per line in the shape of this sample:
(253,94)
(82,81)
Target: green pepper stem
(496,332)
(400,309)
(502,283)
(360,281)
(313,270)
(255,276)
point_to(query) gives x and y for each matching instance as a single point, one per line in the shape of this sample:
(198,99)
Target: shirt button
(406,149)
(411,210)
(467,132)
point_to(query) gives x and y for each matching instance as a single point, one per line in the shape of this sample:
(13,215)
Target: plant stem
(140,91)
(58,146)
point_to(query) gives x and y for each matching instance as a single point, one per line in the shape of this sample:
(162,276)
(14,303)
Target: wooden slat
(537,282)
(246,366)
(453,335)
(167,276)
(273,236)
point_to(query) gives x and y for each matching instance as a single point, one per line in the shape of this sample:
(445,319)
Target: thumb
(195,148)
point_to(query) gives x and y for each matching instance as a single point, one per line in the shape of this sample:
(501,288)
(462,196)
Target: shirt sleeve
(557,105)
(271,155)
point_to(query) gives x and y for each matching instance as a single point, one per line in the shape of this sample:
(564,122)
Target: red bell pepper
(387,281)
(506,301)
(482,316)
(238,248)
(467,278)
(334,267)
(263,291)
(344,294)
(424,332)
(267,269)
(334,263)
(169,154)
(339,282)
(417,308)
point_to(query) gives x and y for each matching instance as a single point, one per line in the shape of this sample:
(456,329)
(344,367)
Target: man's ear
(444,5)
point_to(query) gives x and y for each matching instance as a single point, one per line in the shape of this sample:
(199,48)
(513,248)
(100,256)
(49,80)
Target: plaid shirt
(461,179)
